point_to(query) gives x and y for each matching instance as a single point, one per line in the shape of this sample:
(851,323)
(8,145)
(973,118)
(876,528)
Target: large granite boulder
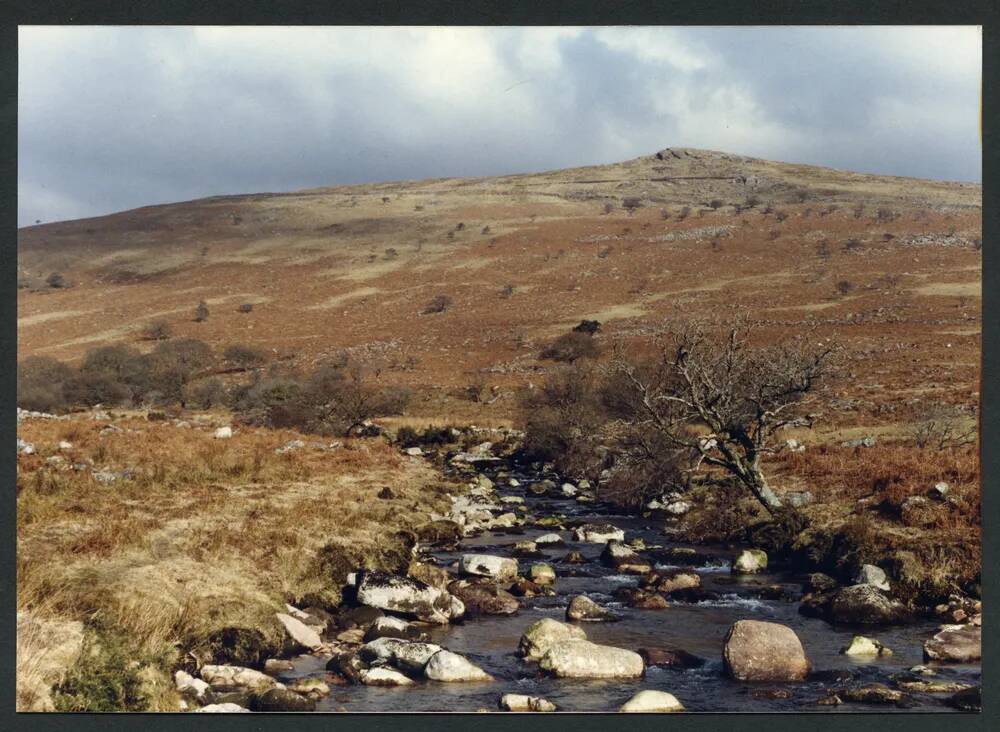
(581,659)
(543,634)
(754,650)
(408,596)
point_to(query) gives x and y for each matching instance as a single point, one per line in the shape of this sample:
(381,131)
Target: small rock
(863,646)
(670,658)
(64,445)
(451,667)
(543,574)
(188,685)
(549,540)
(312,688)
(582,608)
(224,708)
(281,700)
(275,666)
(485,565)
(299,632)
(873,694)
(568,490)
(649,700)
(869,574)
(940,490)
(524,703)
(599,533)
(750,561)
(223,433)
(235,676)
(386,494)
(414,451)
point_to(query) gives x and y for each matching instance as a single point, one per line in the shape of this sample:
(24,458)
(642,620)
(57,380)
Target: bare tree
(720,401)
(942,429)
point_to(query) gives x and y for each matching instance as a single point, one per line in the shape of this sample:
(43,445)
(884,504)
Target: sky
(113,118)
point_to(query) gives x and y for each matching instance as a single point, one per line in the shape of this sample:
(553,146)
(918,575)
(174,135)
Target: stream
(491,641)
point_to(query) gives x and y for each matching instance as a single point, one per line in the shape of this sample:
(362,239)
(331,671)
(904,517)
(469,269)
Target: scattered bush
(204,394)
(507,291)
(684,213)
(201,312)
(844,286)
(588,326)
(107,678)
(715,204)
(158,330)
(438,305)
(631,204)
(570,347)
(608,208)
(56,281)
(244,357)
(40,382)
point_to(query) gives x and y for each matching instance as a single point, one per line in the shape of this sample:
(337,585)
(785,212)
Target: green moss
(107,678)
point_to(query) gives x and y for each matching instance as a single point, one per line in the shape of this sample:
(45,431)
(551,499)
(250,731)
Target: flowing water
(699,628)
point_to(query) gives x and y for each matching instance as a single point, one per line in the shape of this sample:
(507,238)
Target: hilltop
(892,265)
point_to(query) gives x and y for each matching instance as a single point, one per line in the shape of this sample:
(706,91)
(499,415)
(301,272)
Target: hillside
(890,265)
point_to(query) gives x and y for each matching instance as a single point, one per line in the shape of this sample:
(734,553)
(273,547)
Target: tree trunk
(758,485)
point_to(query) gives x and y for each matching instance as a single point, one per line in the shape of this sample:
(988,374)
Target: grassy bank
(140,545)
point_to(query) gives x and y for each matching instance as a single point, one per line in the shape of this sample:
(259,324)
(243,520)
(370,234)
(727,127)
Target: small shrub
(56,281)
(631,204)
(752,201)
(507,291)
(664,214)
(201,312)
(715,204)
(245,357)
(204,394)
(588,326)
(485,231)
(780,216)
(158,330)
(844,286)
(570,347)
(852,245)
(246,307)
(684,213)
(438,305)
(608,208)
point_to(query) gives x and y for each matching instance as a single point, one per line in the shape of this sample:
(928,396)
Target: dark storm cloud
(114,118)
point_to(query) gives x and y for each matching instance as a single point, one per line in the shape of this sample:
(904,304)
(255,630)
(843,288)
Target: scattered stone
(670,658)
(874,693)
(574,558)
(932,687)
(649,700)
(549,540)
(542,574)
(390,627)
(501,569)
(414,451)
(863,646)
(279,699)
(750,561)
(451,667)
(955,644)
(289,447)
(678,508)
(65,445)
(408,596)
(299,632)
(105,477)
(940,490)
(228,677)
(599,533)
(624,559)
(482,598)
(642,599)
(869,574)
(275,666)
(865,605)
(223,433)
(569,490)
(758,651)
(384,676)
(543,634)
(819,582)
(188,685)
(526,549)
(224,708)
(581,659)
(310,687)
(524,703)
(406,655)
(671,580)
(771,693)
(798,499)
(582,608)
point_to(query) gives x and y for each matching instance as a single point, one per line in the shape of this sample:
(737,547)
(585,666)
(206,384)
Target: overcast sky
(112,118)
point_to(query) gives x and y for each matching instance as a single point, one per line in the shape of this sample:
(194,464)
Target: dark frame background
(985,13)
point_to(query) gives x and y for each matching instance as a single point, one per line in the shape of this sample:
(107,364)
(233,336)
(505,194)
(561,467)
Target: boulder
(584,609)
(581,659)
(863,646)
(543,634)
(451,667)
(671,580)
(223,433)
(442,532)
(865,604)
(598,533)
(869,574)
(624,559)
(750,561)
(189,686)
(409,656)
(408,596)
(574,558)
(955,644)
(482,598)
(525,703)
(642,599)
(542,574)
(281,700)
(569,490)
(301,634)
(754,650)
(275,666)
(526,549)
(649,700)
(358,617)
(501,569)
(233,677)
(874,693)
